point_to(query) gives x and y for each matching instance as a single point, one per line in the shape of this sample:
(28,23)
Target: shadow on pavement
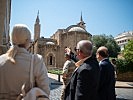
(54,83)
(131,84)
(121,99)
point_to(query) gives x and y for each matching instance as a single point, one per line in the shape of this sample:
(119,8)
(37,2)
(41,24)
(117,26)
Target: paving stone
(124,90)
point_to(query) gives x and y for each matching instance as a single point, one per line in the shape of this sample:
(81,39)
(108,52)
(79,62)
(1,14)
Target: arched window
(50,59)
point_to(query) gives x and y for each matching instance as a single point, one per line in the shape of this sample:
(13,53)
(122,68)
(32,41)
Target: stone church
(52,49)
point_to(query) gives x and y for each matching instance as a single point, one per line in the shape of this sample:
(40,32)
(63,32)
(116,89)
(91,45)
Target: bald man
(107,77)
(83,84)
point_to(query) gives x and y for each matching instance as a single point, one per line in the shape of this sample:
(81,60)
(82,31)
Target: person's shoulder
(38,57)
(105,63)
(68,61)
(84,68)
(106,60)
(92,61)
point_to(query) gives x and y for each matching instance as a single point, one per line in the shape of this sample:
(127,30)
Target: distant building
(5,12)
(123,38)
(52,49)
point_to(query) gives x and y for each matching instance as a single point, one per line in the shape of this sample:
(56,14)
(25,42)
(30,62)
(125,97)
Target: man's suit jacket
(83,84)
(107,81)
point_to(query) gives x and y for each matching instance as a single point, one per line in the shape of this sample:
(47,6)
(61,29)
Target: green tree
(128,51)
(108,41)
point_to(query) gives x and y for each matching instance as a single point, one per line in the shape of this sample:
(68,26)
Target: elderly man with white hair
(83,84)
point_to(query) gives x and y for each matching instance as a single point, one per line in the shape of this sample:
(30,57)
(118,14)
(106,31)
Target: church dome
(75,28)
(50,43)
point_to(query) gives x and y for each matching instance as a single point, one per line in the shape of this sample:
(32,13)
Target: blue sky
(109,17)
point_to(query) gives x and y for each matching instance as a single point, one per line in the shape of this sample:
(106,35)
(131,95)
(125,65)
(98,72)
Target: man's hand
(68,50)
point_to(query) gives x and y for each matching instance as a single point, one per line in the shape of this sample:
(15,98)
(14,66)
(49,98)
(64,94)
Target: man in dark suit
(84,81)
(107,76)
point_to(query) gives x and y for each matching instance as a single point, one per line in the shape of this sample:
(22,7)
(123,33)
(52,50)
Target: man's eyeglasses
(75,49)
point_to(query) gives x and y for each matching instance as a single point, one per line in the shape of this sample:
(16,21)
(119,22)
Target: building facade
(5,12)
(123,38)
(52,49)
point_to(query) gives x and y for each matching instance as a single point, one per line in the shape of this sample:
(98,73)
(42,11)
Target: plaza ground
(124,90)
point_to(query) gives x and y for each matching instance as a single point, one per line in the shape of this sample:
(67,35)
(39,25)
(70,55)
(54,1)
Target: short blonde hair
(20,36)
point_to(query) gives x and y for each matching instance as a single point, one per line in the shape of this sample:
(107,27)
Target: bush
(128,51)
(55,71)
(124,65)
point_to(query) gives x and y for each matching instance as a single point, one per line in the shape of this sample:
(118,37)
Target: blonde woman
(15,66)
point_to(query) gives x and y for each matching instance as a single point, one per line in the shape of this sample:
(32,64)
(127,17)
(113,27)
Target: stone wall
(128,76)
